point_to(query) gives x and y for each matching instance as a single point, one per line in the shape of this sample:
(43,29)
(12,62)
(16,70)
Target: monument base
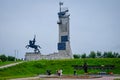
(36,56)
(32,56)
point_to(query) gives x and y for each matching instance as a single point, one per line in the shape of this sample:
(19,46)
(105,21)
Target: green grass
(34,68)
(117,79)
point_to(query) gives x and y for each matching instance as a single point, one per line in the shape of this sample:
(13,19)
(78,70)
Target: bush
(11,58)
(3,58)
(76,56)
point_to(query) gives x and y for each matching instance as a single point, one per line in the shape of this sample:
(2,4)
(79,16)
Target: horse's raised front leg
(39,46)
(27,46)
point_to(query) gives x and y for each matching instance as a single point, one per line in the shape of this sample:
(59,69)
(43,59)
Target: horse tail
(39,46)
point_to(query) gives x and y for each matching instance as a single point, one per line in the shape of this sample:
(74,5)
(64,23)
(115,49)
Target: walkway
(9,65)
(38,78)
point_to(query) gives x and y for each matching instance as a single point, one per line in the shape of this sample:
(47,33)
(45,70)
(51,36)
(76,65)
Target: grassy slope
(33,68)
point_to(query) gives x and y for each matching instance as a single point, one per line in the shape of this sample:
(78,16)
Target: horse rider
(32,42)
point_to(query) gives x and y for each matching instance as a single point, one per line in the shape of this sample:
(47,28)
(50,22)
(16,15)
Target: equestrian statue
(32,45)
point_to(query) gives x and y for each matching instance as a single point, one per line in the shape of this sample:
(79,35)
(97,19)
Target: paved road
(38,78)
(103,78)
(9,65)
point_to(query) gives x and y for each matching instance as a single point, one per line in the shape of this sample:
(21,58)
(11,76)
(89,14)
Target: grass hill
(33,68)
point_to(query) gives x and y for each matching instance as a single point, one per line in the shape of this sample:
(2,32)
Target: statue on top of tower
(63,11)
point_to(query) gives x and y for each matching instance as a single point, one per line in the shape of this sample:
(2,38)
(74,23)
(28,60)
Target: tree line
(4,58)
(98,54)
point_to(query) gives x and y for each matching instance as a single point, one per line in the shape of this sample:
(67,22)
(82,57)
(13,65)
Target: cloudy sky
(94,25)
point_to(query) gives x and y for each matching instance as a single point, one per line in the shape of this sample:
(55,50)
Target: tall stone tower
(64,32)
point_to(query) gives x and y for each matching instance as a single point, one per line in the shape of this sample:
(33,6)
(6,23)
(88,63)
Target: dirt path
(9,65)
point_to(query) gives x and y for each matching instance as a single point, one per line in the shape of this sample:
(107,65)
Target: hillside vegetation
(33,68)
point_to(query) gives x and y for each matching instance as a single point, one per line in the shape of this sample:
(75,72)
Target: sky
(94,25)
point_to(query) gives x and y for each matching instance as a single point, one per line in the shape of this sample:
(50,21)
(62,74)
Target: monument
(64,48)
(64,32)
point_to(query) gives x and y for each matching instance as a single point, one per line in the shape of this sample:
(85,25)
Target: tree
(92,54)
(99,54)
(110,55)
(116,55)
(119,56)
(83,55)
(105,55)
(3,58)
(76,56)
(11,58)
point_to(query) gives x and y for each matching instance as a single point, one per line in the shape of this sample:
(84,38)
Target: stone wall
(36,56)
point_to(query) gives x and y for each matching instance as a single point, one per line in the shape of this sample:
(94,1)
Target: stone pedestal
(32,56)
(35,56)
